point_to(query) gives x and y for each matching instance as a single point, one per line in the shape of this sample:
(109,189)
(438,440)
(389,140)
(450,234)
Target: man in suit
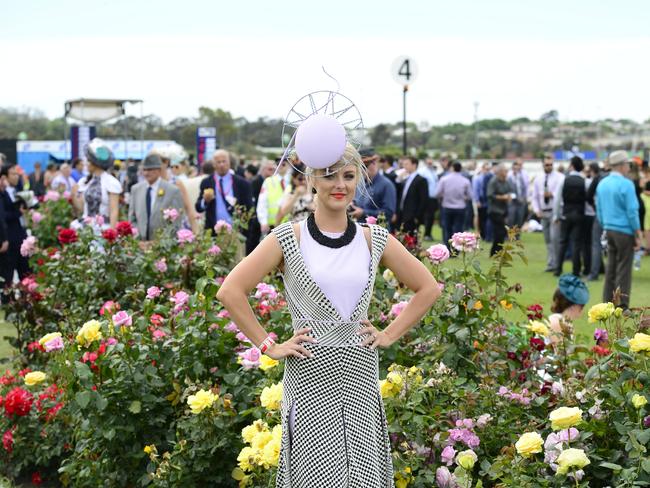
(222,194)
(150,197)
(11,260)
(412,195)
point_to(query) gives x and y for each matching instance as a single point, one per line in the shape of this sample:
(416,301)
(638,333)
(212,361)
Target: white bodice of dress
(341,274)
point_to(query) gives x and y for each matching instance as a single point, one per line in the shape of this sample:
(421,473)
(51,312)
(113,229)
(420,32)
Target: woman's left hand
(376,338)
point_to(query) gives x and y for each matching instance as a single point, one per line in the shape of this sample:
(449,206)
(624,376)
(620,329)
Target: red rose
(40,261)
(601,351)
(18,402)
(535,312)
(537,343)
(35,346)
(512,356)
(110,235)
(36,478)
(67,236)
(8,440)
(124,228)
(51,413)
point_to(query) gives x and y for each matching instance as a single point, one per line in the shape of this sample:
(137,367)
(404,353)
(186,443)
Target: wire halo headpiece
(317,129)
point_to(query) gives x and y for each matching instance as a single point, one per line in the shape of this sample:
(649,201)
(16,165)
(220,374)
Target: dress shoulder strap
(379,238)
(285,234)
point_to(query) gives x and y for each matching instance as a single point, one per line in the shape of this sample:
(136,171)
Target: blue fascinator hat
(574,289)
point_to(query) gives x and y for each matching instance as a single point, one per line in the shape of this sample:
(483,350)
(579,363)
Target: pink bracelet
(268,342)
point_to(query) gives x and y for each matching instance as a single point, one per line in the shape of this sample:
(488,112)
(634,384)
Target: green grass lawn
(538,286)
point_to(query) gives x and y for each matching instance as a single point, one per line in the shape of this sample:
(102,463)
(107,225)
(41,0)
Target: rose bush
(129,373)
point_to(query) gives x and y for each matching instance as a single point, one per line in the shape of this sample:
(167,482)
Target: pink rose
(371,220)
(161,265)
(180,299)
(223,314)
(464,241)
(111,341)
(214,250)
(185,236)
(448,455)
(250,358)
(222,225)
(398,308)
(438,253)
(170,214)
(28,247)
(55,344)
(122,318)
(158,334)
(153,292)
(29,283)
(51,195)
(36,217)
(231,327)
(241,337)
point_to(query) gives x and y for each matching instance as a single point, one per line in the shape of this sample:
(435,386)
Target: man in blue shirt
(618,213)
(380,196)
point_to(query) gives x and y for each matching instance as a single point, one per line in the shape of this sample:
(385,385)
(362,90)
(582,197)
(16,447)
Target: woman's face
(336,191)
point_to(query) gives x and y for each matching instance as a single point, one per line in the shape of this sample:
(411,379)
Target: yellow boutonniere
(161,192)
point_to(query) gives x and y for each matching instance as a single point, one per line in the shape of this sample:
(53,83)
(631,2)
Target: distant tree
(552,116)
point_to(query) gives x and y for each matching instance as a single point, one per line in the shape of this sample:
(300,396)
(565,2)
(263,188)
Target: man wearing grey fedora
(617,208)
(150,197)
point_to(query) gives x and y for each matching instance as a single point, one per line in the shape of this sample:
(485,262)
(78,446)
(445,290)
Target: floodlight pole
(406,89)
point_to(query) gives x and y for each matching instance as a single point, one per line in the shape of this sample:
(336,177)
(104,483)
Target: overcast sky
(586,59)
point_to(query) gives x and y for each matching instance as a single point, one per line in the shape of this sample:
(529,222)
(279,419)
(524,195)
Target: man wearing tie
(150,197)
(14,232)
(221,193)
(545,187)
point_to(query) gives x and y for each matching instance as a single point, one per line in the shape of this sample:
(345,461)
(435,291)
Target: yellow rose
(248,458)
(565,417)
(505,305)
(529,443)
(389,277)
(202,400)
(90,332)
(250,431)
(478,305)
(537,327)
(272,397)
(639,400)
(466,459)
(34,378)
(267,362)
(640,342)
(49,337)
(401,483)
(396,379)
(161,192)
(271,452)
(261,439)
(386,389)
(150,448)
(601,311)
(571,458)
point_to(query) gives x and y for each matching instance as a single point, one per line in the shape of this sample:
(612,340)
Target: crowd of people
(581,211)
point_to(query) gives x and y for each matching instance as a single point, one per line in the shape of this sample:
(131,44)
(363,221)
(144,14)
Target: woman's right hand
(292,347)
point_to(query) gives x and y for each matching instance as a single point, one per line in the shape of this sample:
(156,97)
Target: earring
(313,190)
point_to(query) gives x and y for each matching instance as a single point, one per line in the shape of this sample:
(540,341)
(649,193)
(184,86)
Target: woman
(334,428)
(297,201)
(99,192)
(569,301)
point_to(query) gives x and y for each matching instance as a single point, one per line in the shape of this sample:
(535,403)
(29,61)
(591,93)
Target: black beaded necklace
(333,242)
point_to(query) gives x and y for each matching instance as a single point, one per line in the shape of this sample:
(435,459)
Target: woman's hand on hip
(376,338)
(293,347)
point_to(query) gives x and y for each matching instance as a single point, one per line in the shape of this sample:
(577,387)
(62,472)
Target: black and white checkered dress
(339,436)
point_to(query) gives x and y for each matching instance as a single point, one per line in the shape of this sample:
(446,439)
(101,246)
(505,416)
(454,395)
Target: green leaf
(109,434)
(82,370)
(82,398)
(101,402)
(135,407)
(612,466)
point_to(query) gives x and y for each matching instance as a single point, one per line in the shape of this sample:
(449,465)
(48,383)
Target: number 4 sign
(404,70)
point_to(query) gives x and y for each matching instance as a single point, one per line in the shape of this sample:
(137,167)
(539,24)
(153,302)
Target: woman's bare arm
(234,292)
